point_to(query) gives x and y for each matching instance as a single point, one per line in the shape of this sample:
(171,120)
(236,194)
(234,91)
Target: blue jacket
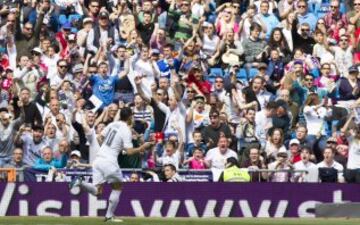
(41,164)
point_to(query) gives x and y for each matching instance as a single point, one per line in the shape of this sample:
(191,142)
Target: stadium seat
(62,19)
(217,71)
(253,73)
(322,9)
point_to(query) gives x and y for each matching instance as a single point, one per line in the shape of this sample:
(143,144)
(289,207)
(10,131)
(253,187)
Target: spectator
(334,19)
(253,163)
(213,132)
(8,129)
(352,173)
(32,142)
(304,16)
(47,161)
(196,162)
(294,151)
(350,86)
(102,34)
(246,133)
(26,38)
(275,144)
(216,157)
(32,114)
(281,163)
(329,169)
(312,173)
(353,16)
(17,163)
(269,20)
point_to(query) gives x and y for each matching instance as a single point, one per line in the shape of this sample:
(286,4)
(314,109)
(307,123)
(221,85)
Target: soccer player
(117,139)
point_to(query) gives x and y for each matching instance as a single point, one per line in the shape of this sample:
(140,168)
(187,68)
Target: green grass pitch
(177,221)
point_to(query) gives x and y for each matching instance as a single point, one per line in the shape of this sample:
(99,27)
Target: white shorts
(106,171)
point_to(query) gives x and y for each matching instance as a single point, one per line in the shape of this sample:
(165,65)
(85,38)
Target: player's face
(168,172)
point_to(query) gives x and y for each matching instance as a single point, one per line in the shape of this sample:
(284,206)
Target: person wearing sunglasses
(302,37)
(334,19)
(303,14)
(354,15)
(343,55)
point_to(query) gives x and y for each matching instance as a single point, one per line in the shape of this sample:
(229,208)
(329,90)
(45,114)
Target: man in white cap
(294,147)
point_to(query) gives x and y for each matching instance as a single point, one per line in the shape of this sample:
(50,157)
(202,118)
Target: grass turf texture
(177,221)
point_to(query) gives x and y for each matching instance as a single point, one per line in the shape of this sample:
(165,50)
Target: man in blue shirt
(47,161)
(268,19)
(168,62)
(304,16)
(103,84)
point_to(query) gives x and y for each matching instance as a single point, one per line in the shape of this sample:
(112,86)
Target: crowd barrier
(176,199)
(187,175)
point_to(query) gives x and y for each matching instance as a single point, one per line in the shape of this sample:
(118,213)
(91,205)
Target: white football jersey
(118,137)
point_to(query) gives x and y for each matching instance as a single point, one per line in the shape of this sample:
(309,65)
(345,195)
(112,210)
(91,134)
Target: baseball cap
(206,24)
(199,98)
(104,14)
(76,153)
(155,52)
(294,142)
(72,37)
(353,69)
(78,68)
(88,20)
(37,50)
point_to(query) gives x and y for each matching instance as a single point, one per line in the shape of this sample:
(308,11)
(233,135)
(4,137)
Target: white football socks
(113,203)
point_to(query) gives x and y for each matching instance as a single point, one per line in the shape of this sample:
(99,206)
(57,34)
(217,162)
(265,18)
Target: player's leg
(94,188)
(115,179)
(113,199)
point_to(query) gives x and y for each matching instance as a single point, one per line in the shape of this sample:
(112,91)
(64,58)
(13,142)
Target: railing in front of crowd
(188,175)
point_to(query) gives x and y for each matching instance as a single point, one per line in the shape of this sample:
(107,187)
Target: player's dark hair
(125,114)
(172,167)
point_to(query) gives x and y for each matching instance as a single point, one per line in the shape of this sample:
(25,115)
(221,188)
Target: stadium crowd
(273,84)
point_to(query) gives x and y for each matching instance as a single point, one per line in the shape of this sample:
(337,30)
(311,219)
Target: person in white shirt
(311,174)
(147,69)
(258,86)
(216,157)
(60,75)
(353,163)
(315,114)
(328,163)
(117,139)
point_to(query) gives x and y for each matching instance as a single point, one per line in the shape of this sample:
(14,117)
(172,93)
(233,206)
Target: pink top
(221,30)
(197,164)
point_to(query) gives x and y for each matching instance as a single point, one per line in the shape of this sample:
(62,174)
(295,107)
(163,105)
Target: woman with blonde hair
(226,22)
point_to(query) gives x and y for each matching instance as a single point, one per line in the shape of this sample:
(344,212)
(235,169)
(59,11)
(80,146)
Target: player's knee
(116,186)
(99,191)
